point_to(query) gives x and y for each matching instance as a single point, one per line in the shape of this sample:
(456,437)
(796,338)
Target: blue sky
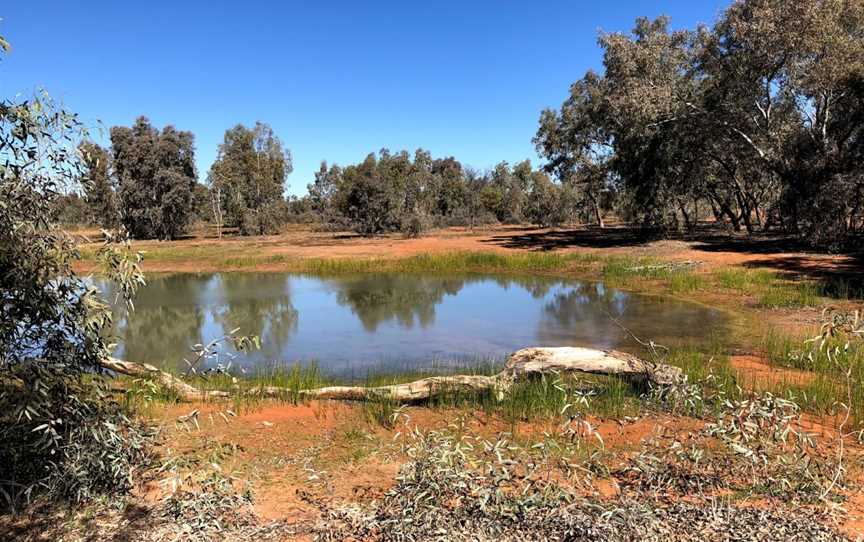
(336,80)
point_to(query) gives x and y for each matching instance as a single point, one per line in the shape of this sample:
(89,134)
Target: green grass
(444,263)
(828,366)
(687,282)
(736,278)
(625,272)
(231,258)
(773,290)
(790,295)
(768,289)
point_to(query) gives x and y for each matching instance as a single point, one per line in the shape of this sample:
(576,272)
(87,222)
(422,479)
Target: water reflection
(378,321)
(168,313)
(607,318)
(267,312)
(376,299)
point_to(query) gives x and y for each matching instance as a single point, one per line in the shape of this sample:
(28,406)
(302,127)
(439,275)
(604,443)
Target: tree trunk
(598,213)
(522,365)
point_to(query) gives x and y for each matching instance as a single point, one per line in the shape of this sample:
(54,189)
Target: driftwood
(185,391)
(522,365)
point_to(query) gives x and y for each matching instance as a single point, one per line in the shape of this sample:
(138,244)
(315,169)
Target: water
(353,325)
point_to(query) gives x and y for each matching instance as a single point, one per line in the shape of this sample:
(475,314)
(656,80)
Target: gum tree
(249,175)
(155,175)
(60,434)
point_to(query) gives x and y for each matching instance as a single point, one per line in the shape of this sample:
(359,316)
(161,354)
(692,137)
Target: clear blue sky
(336,80)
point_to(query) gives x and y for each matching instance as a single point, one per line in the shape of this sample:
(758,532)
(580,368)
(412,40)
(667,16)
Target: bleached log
(566,359)
(522,365)
(187,392)
(409,392)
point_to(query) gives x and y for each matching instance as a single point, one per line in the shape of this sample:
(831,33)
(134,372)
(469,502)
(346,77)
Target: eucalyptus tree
(249,175)
(155,175)
(577,143)
(783,88)
(101,199)
(449,187)
(368,198)
(759,116)
(61,435)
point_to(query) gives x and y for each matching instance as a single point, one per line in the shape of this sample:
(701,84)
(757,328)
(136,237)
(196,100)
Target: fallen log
(671,266)
(566,359)
(185,391)
(522,365)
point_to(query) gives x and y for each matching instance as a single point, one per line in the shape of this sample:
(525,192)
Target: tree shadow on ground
(840,274)
(545,240)
(48,523)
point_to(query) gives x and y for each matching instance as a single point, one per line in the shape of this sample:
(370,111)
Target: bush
(71,210)
(60,435)
(414,225)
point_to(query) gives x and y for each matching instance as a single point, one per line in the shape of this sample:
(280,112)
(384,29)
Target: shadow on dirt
(841,274)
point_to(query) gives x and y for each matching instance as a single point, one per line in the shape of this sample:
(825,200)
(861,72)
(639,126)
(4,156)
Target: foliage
(758,116)
(391,192)
(155,175)
(249,175)
(457,487)
(60,434)
(101,198)
(71,210)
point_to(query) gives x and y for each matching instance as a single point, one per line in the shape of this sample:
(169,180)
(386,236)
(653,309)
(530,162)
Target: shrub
(60,434)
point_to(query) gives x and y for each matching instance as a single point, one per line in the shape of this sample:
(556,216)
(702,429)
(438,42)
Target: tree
(155,172)
(60,434)
(100,194)
(782,88)
(759,116)
(448,186)
(547,204)
(391,192)
(368,199)
(577,143)
(249,174)
(71,210)
(505,193)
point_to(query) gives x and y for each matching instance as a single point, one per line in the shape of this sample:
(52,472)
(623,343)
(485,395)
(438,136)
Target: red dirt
(302,242)
(756,373)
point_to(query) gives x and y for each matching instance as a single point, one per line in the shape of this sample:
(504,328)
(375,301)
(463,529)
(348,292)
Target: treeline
(147,182)
(394,192)
(757,121)
(760,117)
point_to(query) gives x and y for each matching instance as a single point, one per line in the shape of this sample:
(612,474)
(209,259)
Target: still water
(353,325)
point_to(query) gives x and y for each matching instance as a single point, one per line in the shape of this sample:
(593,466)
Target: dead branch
(522,365)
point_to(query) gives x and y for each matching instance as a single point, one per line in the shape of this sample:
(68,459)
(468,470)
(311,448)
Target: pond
(355,325)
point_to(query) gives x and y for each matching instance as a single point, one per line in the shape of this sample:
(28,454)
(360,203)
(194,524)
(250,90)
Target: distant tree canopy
(100,197)
(757,120)
(249,177)
(392,192)
(155,175)
(761,116)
